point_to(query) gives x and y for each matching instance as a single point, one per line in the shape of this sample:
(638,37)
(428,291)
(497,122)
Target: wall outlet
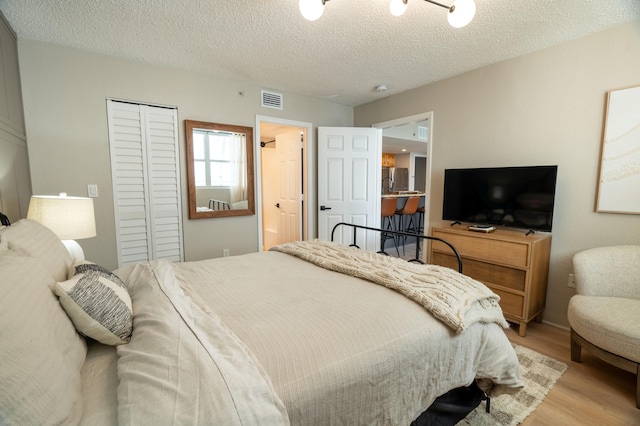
(225,252)
(572,281)
(92,190)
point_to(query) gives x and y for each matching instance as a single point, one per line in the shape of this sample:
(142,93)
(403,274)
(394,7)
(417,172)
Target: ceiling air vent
(271,100)
(423,133)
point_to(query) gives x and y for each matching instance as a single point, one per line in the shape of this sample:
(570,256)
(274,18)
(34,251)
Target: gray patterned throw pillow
(98,303)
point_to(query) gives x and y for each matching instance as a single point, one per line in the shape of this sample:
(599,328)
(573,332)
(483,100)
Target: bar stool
(388,210)
(407,212)
(420,220)
(420,214)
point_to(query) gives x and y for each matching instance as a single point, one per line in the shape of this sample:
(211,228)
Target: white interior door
(289,197)
(269,164)
(349,180)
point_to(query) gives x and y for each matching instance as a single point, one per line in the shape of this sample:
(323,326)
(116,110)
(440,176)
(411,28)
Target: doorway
(285,181)
(409,140)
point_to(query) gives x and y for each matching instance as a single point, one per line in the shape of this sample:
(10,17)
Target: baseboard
(553,324)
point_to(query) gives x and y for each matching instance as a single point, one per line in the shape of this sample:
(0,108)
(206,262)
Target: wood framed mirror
(219,169)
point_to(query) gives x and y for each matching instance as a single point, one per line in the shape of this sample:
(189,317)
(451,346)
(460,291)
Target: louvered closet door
(146,181)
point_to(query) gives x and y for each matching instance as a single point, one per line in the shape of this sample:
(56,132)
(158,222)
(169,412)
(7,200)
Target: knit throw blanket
(453,298)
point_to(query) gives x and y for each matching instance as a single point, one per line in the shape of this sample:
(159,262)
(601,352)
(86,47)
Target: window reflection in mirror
(219,169)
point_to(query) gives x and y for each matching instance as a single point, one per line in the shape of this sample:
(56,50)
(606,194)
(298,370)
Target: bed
(311,333)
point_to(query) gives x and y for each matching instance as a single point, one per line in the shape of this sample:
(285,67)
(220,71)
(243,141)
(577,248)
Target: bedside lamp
(71,218)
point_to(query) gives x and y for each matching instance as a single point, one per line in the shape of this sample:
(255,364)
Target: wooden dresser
(512,264)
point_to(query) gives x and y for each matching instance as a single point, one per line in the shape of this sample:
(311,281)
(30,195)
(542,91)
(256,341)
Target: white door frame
(309,178)
(410,119)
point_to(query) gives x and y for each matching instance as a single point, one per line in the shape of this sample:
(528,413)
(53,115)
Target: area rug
(539,373)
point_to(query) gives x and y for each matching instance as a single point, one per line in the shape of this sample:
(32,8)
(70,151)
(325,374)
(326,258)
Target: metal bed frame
(218,205)
(453,406)
(419,237)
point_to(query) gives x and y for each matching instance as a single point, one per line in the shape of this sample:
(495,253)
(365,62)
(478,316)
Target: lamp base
(74,249)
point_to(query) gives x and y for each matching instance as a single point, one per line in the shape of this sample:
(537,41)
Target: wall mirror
(219,170)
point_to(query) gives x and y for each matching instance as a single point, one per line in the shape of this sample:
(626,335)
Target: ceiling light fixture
(312,9)
(461,12)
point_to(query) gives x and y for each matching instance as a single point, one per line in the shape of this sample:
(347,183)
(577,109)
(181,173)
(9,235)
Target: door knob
(278,205)
(325,208)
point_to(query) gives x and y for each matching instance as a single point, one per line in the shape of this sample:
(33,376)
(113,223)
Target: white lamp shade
(398,7)
(311,10)
(461,13)
(71,218)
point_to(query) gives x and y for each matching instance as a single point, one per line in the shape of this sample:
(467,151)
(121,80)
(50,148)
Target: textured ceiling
(354,46)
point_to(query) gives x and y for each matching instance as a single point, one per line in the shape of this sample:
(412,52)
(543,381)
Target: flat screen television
(520,197)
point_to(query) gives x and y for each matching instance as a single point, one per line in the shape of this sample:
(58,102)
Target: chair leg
(385,236)
(420,222)
(395,243)
(576,350)
(400,227)
(638,387)
(411,227)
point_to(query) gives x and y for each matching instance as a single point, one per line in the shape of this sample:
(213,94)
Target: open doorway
(407,140)
(285,181)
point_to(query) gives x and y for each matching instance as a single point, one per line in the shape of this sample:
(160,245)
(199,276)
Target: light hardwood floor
(588,393)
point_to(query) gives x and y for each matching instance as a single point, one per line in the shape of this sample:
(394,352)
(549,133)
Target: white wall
(64,94)
(543,108)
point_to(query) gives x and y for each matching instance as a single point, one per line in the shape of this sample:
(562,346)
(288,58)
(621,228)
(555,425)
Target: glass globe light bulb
(461,13)
(398,7)
(311,10)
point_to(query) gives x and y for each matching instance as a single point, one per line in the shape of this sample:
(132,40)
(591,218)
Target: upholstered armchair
(605,313)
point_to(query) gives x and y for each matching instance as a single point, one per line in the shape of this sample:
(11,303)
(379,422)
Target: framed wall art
(619,180)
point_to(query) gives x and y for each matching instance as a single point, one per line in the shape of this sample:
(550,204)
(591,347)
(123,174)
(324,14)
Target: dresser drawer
(511,304)
(480,247)
(512,264)
(486,272)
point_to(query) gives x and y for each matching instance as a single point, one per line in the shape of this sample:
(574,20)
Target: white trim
(407,120)
(556,325)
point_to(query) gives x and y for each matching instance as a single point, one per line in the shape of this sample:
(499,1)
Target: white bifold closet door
(145,172)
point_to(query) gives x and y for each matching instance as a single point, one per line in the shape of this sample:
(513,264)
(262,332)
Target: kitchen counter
(401,198)
(404,195)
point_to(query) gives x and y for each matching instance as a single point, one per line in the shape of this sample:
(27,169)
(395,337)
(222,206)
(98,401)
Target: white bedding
(99,382)
(183,366)
(453,298)
(337,349)
(264,338)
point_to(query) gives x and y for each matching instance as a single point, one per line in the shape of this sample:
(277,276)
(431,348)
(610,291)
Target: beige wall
(542,108)
(65,112)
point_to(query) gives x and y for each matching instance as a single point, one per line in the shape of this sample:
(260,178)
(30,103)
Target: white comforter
(453,298)
(183,366)
(235,340)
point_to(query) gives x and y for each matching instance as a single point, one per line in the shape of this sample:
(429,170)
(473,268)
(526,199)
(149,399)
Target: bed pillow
(41,353)
(97,302)
(30,238)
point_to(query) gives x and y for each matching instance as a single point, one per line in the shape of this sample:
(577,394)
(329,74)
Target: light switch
(92,190)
